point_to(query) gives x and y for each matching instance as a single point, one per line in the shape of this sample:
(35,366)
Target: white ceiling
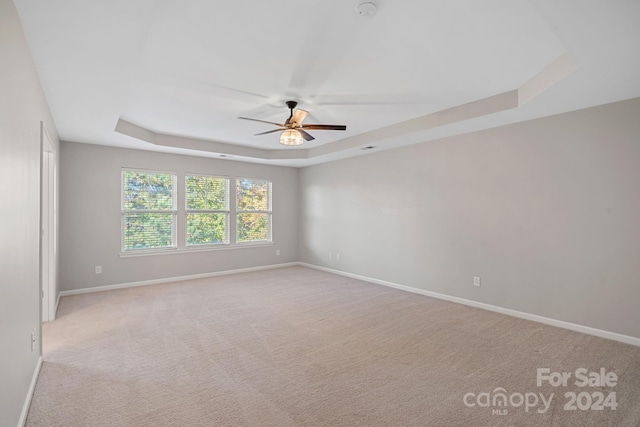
(173,76)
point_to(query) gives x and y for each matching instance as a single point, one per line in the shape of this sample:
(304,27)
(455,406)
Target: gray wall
(546,212)
(22,108)
(90,217)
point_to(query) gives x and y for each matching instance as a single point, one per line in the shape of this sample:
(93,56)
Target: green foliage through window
(207,205)
(253,227)
(148,210)
(148,230)
(148,190)
(253,210)
(150,213)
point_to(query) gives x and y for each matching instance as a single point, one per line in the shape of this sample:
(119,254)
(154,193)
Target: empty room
(320,213)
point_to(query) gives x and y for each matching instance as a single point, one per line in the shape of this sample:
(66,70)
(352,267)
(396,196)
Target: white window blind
(253,210)
(148,210)
(207,209)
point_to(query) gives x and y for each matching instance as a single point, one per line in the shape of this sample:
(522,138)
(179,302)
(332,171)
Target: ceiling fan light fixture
(291,137)
(293,131)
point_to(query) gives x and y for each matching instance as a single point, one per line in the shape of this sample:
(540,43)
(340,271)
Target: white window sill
(193,249)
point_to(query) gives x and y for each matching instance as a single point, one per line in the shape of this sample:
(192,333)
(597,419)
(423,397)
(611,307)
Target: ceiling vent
(366,9)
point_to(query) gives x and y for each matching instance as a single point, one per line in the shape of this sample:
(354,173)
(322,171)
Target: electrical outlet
(330,256)
(338,257)
(98,269)
(33,339)
(277,251)
(476,281)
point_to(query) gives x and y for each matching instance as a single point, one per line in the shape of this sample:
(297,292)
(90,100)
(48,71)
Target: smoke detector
(366,9)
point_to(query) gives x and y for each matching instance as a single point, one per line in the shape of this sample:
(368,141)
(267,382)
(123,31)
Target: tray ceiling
(175,75)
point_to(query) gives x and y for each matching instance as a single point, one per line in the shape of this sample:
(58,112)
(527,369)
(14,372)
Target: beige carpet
(300,347)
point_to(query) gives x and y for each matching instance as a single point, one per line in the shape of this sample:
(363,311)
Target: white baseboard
(32,388)
(528,316)
(172,279)
(533,317)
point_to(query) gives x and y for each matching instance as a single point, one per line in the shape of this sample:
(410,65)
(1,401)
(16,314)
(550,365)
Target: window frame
(226,212)
(269,213)
(173,211)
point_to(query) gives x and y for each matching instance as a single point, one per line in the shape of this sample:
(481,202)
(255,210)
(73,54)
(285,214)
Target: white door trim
(48,213)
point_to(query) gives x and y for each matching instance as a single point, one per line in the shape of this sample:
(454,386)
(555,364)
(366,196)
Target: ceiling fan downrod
(292,105)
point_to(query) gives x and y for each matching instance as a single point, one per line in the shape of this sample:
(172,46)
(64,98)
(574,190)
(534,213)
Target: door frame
(48,227)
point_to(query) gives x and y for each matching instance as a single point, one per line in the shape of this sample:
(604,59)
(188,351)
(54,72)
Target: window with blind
(253,210)
(207,210)
(148,210)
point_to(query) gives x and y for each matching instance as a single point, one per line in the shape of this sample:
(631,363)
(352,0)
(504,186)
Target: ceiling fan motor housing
(294,132)
(292,104)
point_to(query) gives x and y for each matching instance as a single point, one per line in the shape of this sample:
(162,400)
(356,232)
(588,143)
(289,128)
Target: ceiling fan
(293,131)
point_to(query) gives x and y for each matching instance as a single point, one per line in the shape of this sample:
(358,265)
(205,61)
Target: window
(148,210)
(207,209)
(253,210)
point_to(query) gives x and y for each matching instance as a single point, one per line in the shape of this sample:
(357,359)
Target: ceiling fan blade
(315,66)
(325,127)
(298,117)
(380,99)
(269,131)
(201,85)
(261,121)
(305,135)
